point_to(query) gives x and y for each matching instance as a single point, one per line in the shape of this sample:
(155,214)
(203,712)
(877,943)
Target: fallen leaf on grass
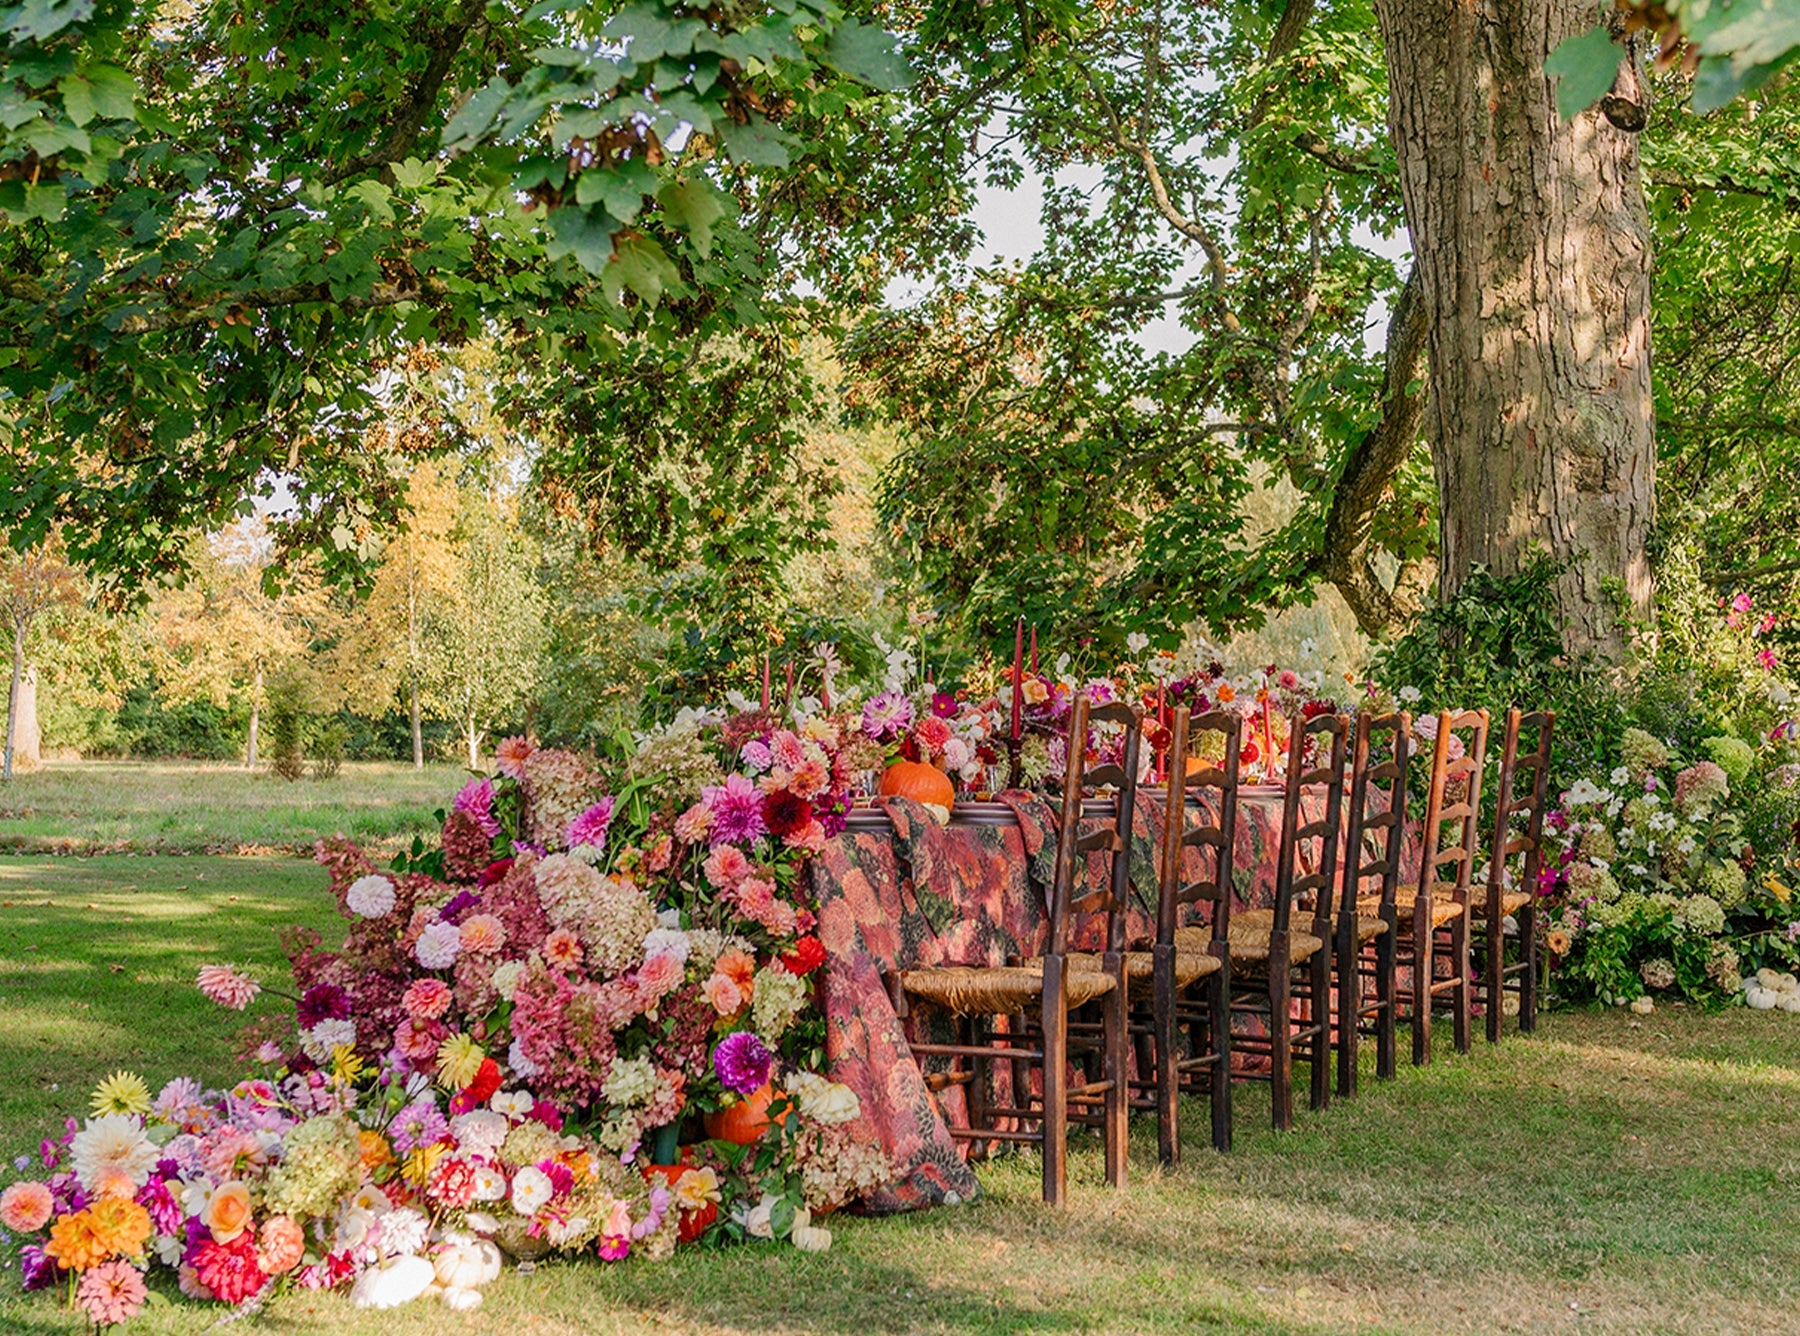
(116,969)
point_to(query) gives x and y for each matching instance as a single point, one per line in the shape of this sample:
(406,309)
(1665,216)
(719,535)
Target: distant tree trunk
(418,728)
(1532,243)
(12,697)
(474,744)
(256,691)
(28,744)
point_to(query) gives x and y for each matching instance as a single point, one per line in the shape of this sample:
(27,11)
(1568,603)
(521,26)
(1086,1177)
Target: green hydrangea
(1700,914)
(1598,842)
(1724,882)
(1586,880)
(529,1142)
(1732,755)
(320,1166)
(1642,753)
(1637,811)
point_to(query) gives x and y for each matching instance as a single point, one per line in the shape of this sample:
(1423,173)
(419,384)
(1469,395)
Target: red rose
(808,954)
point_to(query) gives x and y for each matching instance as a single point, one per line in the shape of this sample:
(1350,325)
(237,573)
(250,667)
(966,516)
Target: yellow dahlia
(122,1092)
(459,1061)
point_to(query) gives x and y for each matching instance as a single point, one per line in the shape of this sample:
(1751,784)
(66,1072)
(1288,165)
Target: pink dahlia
(283,1244)
(736,810)
(25,1207)
(426,999)
(692,825)
(510,756)
(742,1062)
(887,716)
(477,799)
(227,987)
(111,1293)
(591,826)
(483,934)
(725,867)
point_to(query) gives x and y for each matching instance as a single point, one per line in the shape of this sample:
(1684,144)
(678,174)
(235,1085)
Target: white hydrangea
(667,941)
(631,1081)
(506,978)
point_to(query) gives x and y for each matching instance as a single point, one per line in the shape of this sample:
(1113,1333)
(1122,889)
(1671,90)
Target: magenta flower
(742,1062)
(591,826)
(887,715)
(737,810)
(476,799)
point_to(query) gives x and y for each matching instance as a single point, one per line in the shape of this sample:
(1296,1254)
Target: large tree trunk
(1532,244)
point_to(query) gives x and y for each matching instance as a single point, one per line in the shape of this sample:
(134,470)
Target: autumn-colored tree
(31,583)
(484,640)
(384,658)
(222,635)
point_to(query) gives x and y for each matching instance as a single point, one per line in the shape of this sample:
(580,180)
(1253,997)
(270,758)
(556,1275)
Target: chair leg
(1463,1017)
(1055,1126)
(1424,971)
(975,1092)
(1219,1046)
(1494,958)
(1386,1022)
(1318,1016)
(1348,968)
(1168,1070)
(1528,977)
(1281,1037)
(1117,1068)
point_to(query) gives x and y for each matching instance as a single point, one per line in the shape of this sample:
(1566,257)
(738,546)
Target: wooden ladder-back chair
(1434,914)
(1037,997)
(1363,946)
(1276,960)
(1191,966)
(1518,830)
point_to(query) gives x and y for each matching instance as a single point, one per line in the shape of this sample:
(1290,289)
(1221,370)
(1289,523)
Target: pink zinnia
(510,756)
(476,799)
(227,987)
(591,826)
(483,934)
(725,867)
(736,810)
(111,1293)
(426,999)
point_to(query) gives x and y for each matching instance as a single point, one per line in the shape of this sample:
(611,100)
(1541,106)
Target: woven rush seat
(1368,926)
(1443,908)
(1140,967)
(1250,942)
(1511,902)
(998,989)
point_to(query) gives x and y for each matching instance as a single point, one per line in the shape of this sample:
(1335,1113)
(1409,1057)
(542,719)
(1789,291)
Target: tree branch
(429,291)
(1346,559)
(1317,146)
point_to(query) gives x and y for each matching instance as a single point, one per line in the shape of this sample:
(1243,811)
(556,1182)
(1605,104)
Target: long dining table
(898,890)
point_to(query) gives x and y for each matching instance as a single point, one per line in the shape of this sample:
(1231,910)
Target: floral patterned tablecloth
(925,894)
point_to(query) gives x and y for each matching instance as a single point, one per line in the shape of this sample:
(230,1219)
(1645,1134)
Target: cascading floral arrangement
(585,1021)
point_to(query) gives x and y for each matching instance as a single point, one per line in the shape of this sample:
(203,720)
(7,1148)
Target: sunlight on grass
(153,806)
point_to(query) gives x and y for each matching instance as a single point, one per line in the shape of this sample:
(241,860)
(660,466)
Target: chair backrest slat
(1179,834)
(1512,806)
(1381,785)
(1453,799)
(1327,733)
(1069,893)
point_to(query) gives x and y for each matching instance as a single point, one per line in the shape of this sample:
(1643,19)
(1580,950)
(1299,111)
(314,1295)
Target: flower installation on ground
(586,1022)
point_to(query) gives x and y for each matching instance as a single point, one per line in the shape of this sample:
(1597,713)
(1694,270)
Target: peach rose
(227,1212)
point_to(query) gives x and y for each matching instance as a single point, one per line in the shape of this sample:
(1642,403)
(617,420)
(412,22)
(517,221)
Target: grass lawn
(214,807)
(1612,1174)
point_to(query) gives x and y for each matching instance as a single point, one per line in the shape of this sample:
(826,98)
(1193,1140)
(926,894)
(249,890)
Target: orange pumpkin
(920,782)
(742,1123)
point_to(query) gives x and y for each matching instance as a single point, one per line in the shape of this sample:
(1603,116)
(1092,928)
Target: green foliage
(1497,644)
(1738,46)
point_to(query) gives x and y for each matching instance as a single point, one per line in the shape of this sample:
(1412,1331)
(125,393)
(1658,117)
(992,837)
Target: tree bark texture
(28,737)
(1532,243)
(418,727)
(12,698)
